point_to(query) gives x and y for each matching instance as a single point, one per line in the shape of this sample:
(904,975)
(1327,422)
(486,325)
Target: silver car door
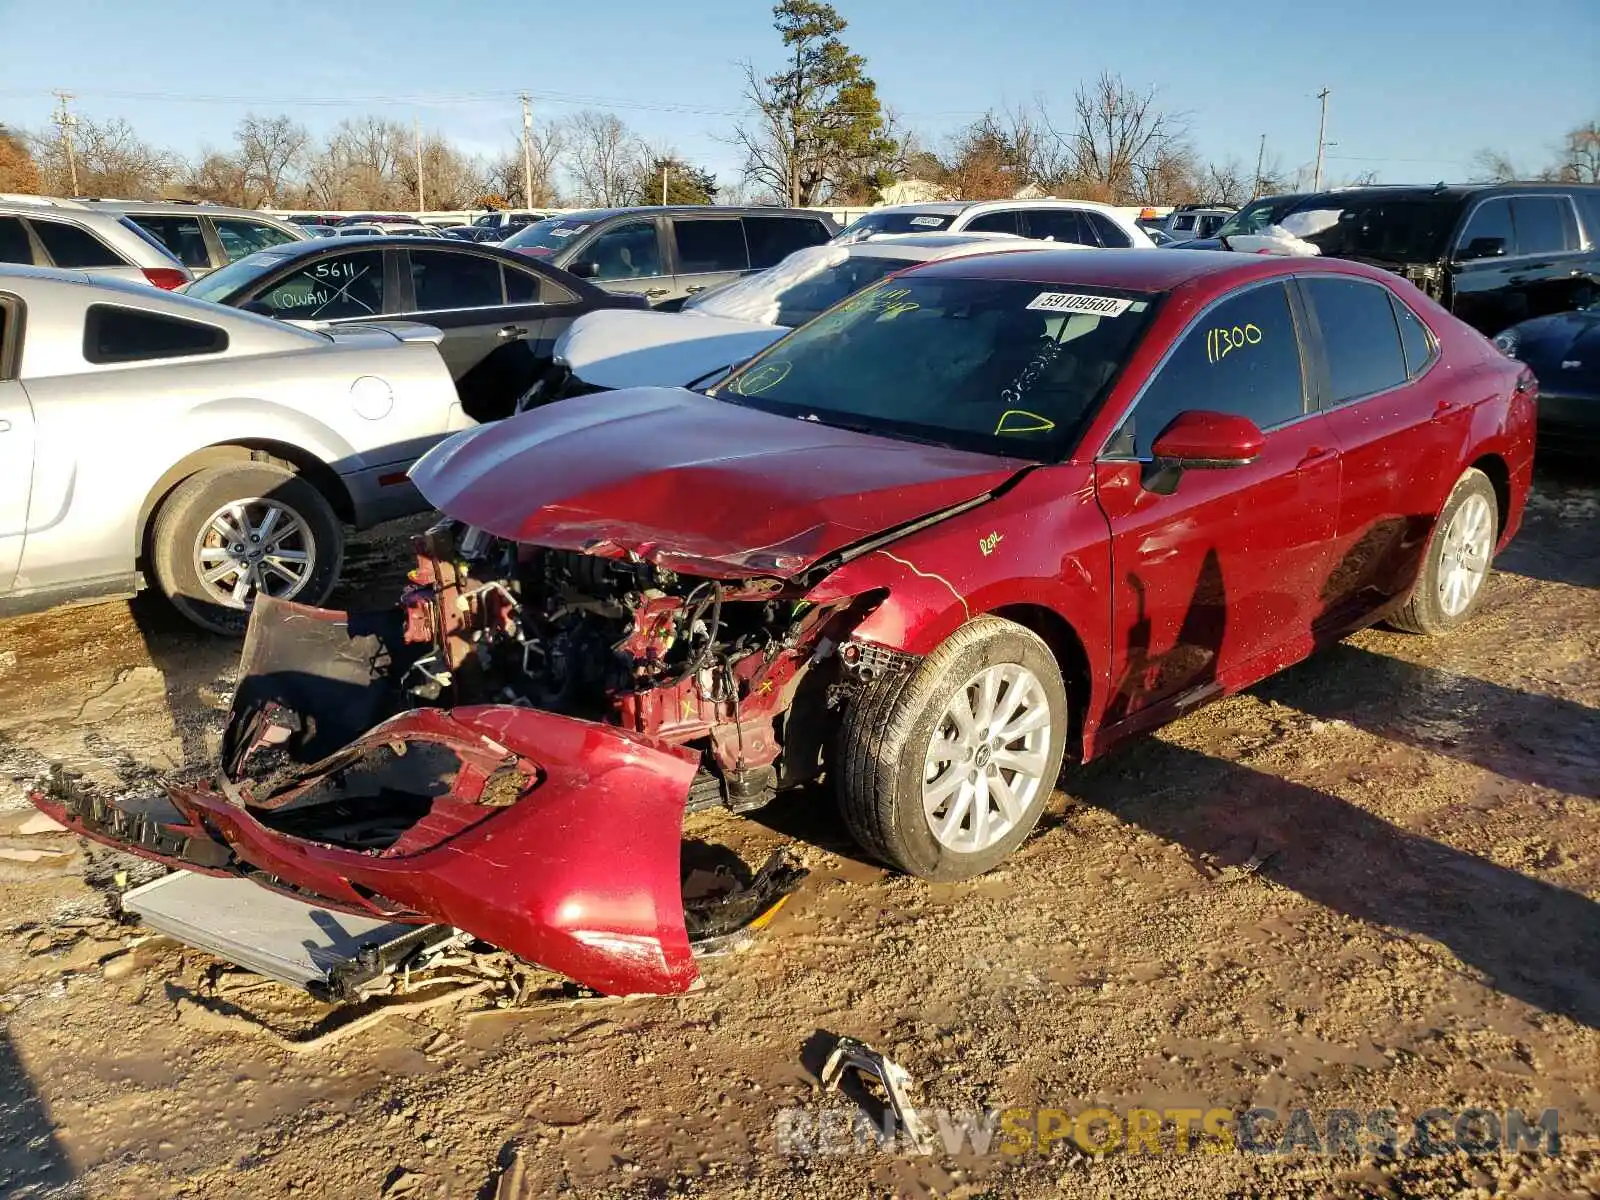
(16,472)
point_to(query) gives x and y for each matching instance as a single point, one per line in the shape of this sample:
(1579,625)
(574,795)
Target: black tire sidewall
(937,681)
(178,524)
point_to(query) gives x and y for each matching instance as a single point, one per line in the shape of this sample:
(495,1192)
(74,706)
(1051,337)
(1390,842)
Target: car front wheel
(944,772)
(1456,564)
(228,535)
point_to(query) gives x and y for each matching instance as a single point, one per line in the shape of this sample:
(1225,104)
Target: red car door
(1214,585)
(1399,432)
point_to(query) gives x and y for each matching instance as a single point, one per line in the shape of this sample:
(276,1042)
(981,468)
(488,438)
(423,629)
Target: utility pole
(1261,154)
(1322,139)
(527,150)
(416,130)
(67,121)
(664,169)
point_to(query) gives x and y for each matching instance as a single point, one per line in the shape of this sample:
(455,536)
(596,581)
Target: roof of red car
(1135,270)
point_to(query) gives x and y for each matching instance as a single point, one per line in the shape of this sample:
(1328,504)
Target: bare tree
(269,148)
(1493,166)
(217,177)
(1580,155)
(1118,134)
(111,160)
(605,159)
(547,147)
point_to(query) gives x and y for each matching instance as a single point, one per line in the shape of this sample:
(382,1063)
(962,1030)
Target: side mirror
(585,270)
(1200,440)
(1484,247)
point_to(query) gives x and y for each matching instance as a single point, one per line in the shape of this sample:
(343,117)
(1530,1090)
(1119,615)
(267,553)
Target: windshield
(996,366)
(801,287)
(229,279)
(894,222)
(550,235)
(1398,231)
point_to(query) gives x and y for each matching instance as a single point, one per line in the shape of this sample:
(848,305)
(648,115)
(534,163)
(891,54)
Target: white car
(617,349)
(219,452)
(1081,222)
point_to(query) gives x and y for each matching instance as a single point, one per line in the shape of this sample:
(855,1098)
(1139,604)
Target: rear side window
(772,239)
(1061,225)
(1488,233)
(1589,204)
(1414,337)
(74,248)
(994,222)
(1107,230)
(14,244)
(339,287)
(180,234)
(240,237)
(1242,356)
(525,287)
(704,246)
(120,335)
(1544,224)
(1359,335)
(445,280)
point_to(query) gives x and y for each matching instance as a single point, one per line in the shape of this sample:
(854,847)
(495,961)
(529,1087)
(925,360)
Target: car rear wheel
(227,535)
(1456,564)
(944,772)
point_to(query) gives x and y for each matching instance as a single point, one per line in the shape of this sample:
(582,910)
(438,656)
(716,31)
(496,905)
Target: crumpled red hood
(691,483)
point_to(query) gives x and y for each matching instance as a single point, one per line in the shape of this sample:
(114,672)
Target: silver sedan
(218,453)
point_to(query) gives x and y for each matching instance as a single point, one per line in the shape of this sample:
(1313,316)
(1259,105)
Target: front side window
(628,251)
(705,246)
(180,234)
(773,239)
(119,335)
(996,366)
(1544,224)
(444,279)
(73,248)
(1360,336)
(339,287)
(14,244)
(1488,233)
(1241,356)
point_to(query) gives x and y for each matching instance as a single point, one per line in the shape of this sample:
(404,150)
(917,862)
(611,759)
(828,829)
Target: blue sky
(1417,85)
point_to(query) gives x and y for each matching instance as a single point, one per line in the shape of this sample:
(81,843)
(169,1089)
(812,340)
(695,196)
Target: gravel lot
(1421,931)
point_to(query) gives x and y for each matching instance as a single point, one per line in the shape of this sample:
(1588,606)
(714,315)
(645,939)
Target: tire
(887,743)
(184,519)
(1472,510)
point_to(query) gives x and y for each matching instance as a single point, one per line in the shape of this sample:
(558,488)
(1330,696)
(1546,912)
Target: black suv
(1492,254)
(668,254)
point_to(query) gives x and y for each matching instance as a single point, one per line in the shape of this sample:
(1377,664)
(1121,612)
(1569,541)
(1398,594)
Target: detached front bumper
(559,840)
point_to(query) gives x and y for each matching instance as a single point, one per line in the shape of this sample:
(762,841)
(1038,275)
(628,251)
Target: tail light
(166,278)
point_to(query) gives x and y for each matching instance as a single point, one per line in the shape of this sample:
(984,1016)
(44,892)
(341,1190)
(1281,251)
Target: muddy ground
(1419,930)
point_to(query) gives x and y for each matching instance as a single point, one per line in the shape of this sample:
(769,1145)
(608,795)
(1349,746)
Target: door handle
(512,331)
(700,287)
(1316,454)
(657,292)
(1444,406)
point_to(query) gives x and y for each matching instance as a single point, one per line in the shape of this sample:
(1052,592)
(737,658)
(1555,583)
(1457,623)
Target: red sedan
(989,516)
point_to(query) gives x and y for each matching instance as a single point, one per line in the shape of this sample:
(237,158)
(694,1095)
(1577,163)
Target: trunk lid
(693,484)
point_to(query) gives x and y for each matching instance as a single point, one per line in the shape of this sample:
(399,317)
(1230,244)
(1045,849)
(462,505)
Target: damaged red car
(989,516)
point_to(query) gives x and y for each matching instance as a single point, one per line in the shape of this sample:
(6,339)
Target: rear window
(74,248)
(120,335)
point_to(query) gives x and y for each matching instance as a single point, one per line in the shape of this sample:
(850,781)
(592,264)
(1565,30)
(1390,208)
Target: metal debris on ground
(850,1054)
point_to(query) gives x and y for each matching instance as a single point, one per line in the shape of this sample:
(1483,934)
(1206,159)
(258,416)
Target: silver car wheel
(1464,555)
(254,546)
(986,758)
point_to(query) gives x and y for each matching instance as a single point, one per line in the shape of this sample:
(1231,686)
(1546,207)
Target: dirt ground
(1370,882)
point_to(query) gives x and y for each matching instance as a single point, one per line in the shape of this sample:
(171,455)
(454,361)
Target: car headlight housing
(1508,342)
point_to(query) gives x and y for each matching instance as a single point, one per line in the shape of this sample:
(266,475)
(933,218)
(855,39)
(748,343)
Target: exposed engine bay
(722,666)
